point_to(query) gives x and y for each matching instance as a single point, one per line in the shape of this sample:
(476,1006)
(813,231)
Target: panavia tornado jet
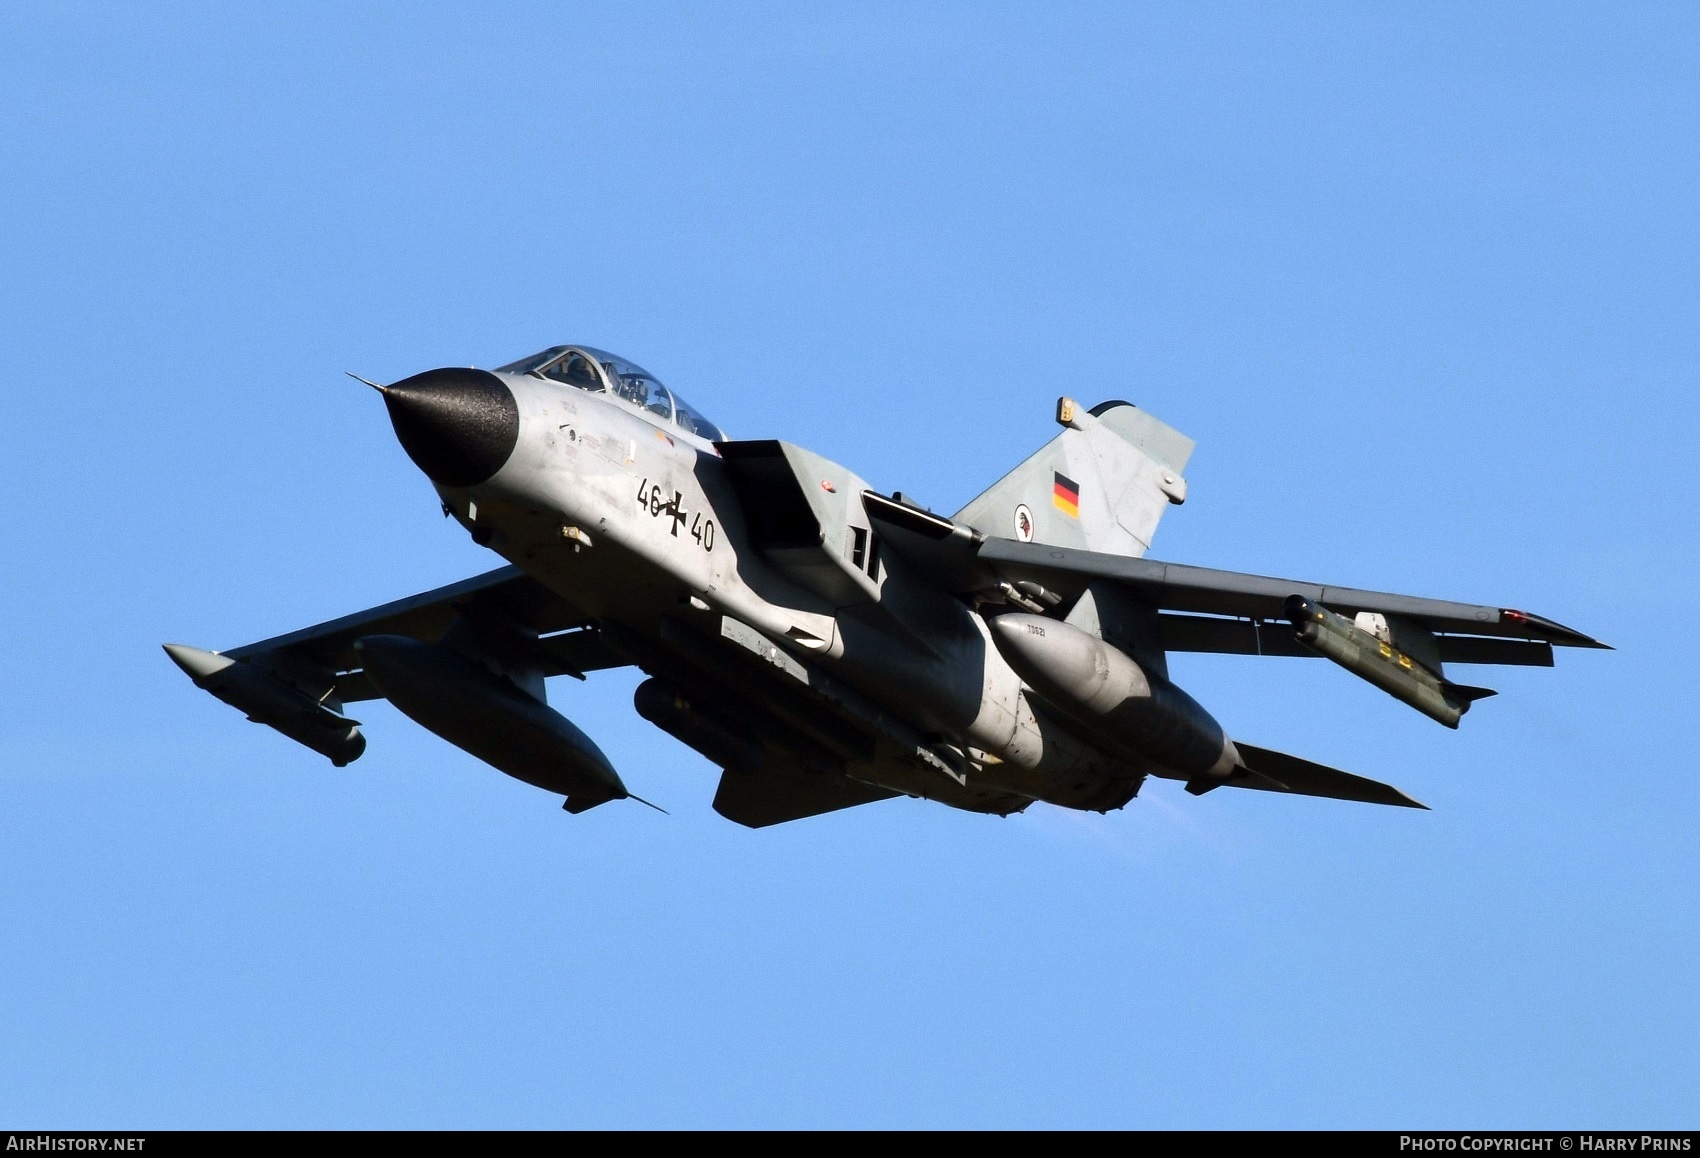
(824,644)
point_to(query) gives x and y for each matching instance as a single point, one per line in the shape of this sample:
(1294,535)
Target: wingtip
(1554,632)
(196,662)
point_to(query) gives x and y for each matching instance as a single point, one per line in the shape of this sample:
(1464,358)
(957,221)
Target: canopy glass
(598,371)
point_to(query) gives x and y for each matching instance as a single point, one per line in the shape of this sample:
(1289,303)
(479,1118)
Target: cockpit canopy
(600,372)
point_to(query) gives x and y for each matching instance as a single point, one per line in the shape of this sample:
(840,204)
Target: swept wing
(566,644)
(1178,587)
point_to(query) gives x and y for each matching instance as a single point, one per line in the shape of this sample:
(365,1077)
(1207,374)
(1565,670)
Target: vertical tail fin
(1101,485)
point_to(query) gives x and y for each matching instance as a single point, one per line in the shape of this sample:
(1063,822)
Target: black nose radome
(458,426)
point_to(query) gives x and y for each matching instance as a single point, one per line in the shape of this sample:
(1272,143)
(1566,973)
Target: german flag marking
(1065,495)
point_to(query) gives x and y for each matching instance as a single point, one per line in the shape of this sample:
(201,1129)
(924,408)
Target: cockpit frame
(599,372)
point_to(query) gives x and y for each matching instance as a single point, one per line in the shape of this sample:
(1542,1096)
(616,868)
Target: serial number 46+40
(651,498)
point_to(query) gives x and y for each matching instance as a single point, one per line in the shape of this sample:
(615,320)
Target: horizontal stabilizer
(1304,778)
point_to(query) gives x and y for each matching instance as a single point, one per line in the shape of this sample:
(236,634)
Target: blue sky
(1421,280)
